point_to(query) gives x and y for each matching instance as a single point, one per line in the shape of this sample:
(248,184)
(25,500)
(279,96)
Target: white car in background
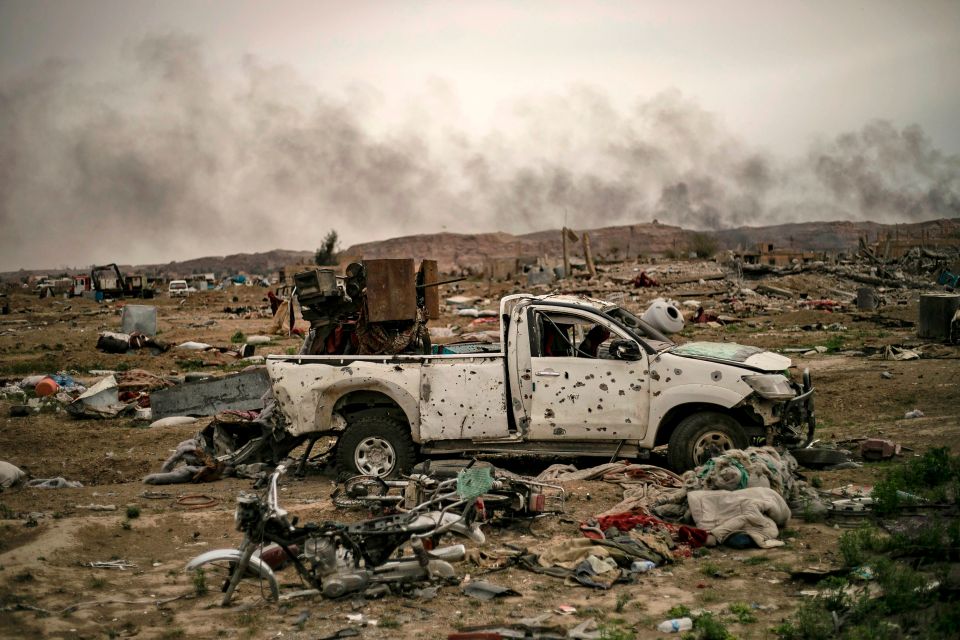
(179,288)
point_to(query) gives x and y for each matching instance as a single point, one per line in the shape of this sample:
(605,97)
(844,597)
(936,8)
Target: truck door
(578,389)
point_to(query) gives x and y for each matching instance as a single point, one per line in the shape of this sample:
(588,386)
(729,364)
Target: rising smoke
(176,162)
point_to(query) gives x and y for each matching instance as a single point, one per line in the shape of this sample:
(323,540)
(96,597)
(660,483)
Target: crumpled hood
(733,353)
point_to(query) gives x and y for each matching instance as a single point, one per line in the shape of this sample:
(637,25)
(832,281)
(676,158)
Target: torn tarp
(10,474)
(102,400)
(483,590)
(758,512)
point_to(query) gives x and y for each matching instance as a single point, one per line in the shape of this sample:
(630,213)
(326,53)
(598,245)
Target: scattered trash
(642,566)
(102,400)
(195,501)
(20,410)
(122,565)
(676,625)
(820,457)
(54,483)
(878,449)
(348,632)
(195,346)
(10,475)
(172,421)
(426,593)
(916,413)
(586,630)
(362,619)
(97,507)
(483,590)
(46,387)
(863,573)
(138,318)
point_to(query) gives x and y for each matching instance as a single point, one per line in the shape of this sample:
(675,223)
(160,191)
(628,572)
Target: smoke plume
(176,161)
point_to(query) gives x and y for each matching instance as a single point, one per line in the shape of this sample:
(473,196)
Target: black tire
(691,441)
(386,437)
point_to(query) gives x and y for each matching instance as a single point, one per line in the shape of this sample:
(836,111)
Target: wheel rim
(375,456)
(709,442)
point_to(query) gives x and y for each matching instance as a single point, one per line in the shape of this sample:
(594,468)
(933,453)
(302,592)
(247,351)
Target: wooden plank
(431,295)
(391,290)
(588,254)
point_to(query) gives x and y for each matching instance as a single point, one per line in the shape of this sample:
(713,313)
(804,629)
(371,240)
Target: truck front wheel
(375,446)
(700,437)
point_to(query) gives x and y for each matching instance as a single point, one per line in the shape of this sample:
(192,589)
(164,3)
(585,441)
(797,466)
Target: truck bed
(443,396)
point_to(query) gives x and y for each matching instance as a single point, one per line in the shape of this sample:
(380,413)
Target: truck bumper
(798,420)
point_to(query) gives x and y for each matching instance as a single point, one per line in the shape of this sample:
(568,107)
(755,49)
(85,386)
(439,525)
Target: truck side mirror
(625,350)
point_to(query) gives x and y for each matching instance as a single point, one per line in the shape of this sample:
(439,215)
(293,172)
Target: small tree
(327,253)
(704,245)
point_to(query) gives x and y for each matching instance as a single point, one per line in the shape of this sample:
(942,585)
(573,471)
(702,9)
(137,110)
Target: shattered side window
(566,336)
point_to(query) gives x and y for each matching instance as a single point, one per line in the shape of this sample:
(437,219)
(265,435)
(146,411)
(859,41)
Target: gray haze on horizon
(172,143)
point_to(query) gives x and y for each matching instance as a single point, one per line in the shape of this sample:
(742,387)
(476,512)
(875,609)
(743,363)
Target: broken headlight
(771,386)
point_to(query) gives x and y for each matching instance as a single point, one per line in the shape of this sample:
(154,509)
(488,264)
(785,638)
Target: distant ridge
(469,250)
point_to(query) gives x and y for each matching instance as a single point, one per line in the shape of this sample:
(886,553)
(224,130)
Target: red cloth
(274,302)
(683,533)
(643,280)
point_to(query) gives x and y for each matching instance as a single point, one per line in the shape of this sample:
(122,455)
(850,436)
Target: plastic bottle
(640,566)
(675,626)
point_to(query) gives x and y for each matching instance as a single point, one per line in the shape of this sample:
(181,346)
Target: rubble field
(869,369)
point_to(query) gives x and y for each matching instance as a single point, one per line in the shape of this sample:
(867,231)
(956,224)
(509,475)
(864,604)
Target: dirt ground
(47,537)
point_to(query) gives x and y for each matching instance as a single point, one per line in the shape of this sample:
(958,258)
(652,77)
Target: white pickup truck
(572,376)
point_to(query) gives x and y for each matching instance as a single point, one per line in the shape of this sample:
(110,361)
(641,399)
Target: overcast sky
(457,81)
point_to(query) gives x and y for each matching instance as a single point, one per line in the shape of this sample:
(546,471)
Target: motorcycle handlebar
(273,501)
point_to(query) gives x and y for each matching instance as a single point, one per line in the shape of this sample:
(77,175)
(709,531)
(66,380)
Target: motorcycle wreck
(387,553)
(509,495)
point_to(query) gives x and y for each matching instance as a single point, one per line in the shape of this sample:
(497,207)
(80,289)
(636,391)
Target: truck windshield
(640,329)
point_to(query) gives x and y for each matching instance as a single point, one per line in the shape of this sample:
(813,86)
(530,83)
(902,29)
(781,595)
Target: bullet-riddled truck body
(573,376)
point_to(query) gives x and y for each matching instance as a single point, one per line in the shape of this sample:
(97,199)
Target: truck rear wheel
(700,437)
(375,446)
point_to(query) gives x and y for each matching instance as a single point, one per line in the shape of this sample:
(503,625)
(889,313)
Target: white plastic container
(663,316)
(139,317)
